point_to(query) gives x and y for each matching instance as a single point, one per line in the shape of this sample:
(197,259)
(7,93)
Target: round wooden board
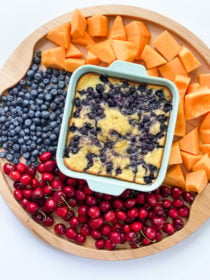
(21,59)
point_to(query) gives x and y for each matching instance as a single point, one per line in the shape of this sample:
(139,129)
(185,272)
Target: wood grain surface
(16,67)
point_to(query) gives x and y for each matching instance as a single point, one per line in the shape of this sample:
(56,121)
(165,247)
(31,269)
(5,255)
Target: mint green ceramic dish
(133,72)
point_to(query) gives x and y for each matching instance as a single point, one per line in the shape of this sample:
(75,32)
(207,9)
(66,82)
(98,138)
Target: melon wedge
(98,25)
(188,59)
(205,136)
(205,148)
(180,128)
(54,58)
(73,51)
(204,80)
(124,50)
(175,155)
(196,181)
(203,163)
(78,24)
(190,142)
(182,83)
(117,30)
(172,68)
(103,50)
(60,35)
(72,64)
(153,72)
(151,57)
(205,122)
(175,177)
(189,160)
(92,59)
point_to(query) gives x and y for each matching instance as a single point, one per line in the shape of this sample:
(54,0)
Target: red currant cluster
(135,218)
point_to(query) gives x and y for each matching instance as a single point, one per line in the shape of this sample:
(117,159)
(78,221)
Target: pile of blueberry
(31,113)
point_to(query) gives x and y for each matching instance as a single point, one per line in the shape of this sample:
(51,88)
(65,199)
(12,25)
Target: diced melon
(205,148)
(203,163)
(153,72)
(180,128)
(188,59)
(83,40)
(98,25)
(151,57)
(175,177)
(167,45)
(54,58)
(189,159)
(205,122)
(124,50)
(193,87)
(190,142)
(196,181)
(60,35)
(175,155)
(117,30)
(73,51)
(204,79)
(182,83)
(172,68)
(92,59)
(78,24)
(103,50)
(72,64)
(205,136)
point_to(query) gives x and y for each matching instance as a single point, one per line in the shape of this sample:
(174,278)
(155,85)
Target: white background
(23,255)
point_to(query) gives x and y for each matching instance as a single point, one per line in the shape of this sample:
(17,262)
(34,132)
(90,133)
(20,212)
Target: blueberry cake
(117,128)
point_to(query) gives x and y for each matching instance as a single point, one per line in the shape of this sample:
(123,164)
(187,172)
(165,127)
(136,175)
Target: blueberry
(30,74)
(2,154)
(45,114)
(99,88)
(27,122)
(9,157)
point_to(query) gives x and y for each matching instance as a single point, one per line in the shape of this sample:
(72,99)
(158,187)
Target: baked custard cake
(118,128)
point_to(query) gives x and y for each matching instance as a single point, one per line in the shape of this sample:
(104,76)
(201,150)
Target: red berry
(106,229)
(178,223)
(121,215)
(94,212)
(188,197)
(58,196)
(176,192)
(168,228)
(96,234)
(158,236)
(110,216)
(136,226)
(24,202)
(37,193)
(149,232)
(56,184)
(34,183)
(51,204)
(72,182)
(100,243)
(27,193)
(96,223)
(165,191)
(184,211)
(105,205)
(49,165)
(178,203)
(74,222)
(133,213)
(21,167)
(60,229)
(69,191)
(83,210)
(115,237)
(87,190)
(70,233)
(140,198)
(143,213)
(167,203)
(25,179)
(31,170)
(46,176)
(152,199)
(90,200)
(130,202)
(32,207)
(157,222)
(80,195)
(126,228)
(110,245)
(15,175)
(173,213)
(47,221)
(61,211)
(41,168)
(80,238)
(18,194)
(85,229)
(45,156)
(145,241)
(158,210)
(8,167)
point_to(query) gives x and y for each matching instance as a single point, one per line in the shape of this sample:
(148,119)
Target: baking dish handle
(128,68)
(110,188)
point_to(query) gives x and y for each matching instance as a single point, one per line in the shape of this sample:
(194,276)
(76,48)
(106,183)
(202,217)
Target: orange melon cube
(83,40)
(72,64)
(103,50)
(205,148)
(153,72)
(92,59)
(175,155)
(182,83)
(204,80)
(190,142)
(172,68)
(117,30)
(138,33)
(203,163)
(54,58)
(189,159)
(78,24)
(98,25)
(73,51)
(205,122)
(193,87)
(205,136)
(175,177)
(188,59)
(167,45)
(197,103)
(196,181)
(151,57)
(180,128)
(124,50)
(60,35)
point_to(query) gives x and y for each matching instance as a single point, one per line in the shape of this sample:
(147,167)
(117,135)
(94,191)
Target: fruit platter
(64,211)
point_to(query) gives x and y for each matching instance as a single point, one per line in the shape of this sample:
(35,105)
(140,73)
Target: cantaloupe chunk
(205,122)
(205,148)
(190,142)
(117,30)
(196,181)
(175,155)
(60,35)
(197,103)
(203,163)
(182,83)
(172,68)
(103,50)
(98,25)
(153,72)
(189,159)
(83,40)
(78,24)
(180,128)
(151,57)
(72,64)
(54,58)
(124,50)
(92,59)
(204,80)
(167,45)
(193,87)
(73,51)
(188,59)
(175,176)
(138,33)
(205,136)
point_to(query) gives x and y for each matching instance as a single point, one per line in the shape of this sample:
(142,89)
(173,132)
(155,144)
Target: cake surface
(117,128)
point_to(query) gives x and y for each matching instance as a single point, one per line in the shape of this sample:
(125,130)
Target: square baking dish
(131,72)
